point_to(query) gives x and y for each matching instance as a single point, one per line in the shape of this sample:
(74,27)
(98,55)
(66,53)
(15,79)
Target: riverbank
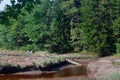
(12,62)
(44,65)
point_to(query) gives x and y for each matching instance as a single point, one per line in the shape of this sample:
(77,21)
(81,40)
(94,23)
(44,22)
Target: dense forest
(61,26)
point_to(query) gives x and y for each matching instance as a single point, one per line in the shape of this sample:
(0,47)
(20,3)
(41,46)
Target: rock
(118,60)
(100,68)
(30,52)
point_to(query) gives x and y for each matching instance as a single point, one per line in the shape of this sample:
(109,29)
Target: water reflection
(71,70)
(65,72)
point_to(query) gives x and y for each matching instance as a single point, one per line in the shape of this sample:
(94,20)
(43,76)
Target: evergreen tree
(97,27)
(61,25)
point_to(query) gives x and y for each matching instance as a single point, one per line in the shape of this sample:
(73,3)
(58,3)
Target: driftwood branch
(73,62)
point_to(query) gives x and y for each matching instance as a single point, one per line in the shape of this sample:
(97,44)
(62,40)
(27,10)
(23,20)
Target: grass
(116,63)
(117,54)
(42,58)
(5,64)
(84,52)
(50,61)
(113,76)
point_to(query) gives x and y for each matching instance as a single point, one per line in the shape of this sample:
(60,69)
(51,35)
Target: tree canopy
(61,25)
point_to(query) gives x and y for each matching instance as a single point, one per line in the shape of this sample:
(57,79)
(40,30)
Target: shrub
(117,48)
(51,61)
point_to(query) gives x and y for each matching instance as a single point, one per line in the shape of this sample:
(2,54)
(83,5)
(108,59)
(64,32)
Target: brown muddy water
(69,72)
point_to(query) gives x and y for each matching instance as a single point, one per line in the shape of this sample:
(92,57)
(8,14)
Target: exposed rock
(101,68)
(118,60)
(30,52)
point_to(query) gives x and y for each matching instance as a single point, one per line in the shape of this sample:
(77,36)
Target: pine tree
(97,27)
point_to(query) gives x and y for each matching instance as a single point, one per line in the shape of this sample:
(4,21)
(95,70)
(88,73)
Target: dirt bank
(27,64)
(102,67)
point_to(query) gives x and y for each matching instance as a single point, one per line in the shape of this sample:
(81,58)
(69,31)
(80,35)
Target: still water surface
(70,72)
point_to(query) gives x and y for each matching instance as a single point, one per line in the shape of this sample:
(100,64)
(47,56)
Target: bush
(52,61)
(117,48)
(30,47)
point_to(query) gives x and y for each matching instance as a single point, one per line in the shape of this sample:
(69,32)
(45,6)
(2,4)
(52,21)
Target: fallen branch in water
(73,62)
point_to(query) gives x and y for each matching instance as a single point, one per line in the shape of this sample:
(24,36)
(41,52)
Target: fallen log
(72,62)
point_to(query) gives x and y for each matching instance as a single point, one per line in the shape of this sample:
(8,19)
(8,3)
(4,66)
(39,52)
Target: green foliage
(5,64)
(115,62)
(97,27)
(52,61)
(116,28)
(30,47)
(117,48)
(61,25)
